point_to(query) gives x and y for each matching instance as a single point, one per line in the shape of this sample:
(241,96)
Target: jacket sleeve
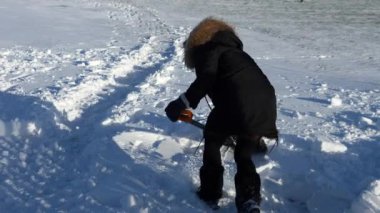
(206,70)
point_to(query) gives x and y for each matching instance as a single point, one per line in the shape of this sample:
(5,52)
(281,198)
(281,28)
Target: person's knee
(211,155)
(244,149)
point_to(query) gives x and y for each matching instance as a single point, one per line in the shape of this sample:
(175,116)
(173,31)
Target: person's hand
(174,109)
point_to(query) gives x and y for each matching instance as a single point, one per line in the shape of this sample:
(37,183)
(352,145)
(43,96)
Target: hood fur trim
(202,34)
(205,30)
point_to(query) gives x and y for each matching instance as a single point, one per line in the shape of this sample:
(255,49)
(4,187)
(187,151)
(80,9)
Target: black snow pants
(247,180)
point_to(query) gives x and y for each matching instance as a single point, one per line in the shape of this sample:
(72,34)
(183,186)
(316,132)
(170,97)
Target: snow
(336,101)
(84,84)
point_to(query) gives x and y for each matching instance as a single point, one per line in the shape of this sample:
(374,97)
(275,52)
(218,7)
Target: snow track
(73,100)
(149,88)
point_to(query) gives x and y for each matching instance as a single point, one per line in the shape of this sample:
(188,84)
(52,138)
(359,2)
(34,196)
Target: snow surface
(84,84)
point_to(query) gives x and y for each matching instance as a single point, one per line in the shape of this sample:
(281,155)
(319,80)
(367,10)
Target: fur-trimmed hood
(206,31)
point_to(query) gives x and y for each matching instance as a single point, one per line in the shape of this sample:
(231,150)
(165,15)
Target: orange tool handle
(186,116)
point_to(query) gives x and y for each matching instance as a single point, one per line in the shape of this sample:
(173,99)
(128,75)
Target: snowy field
(84,84)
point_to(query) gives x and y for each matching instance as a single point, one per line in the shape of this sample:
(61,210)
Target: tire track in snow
(72,101)
(148,94)
(157,36)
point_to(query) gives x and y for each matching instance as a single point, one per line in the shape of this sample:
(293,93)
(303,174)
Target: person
(244,106)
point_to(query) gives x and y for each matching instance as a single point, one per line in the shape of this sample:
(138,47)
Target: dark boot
(250,206)
(248,196)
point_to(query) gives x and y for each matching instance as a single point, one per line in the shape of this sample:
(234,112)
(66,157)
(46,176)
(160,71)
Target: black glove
(174,109)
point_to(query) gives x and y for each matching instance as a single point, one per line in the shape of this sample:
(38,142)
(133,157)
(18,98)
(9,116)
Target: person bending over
(244,106)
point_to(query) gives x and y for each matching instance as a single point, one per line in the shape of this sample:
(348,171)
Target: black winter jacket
(244,99)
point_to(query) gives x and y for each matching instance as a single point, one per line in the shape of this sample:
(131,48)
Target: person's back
(241,92)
